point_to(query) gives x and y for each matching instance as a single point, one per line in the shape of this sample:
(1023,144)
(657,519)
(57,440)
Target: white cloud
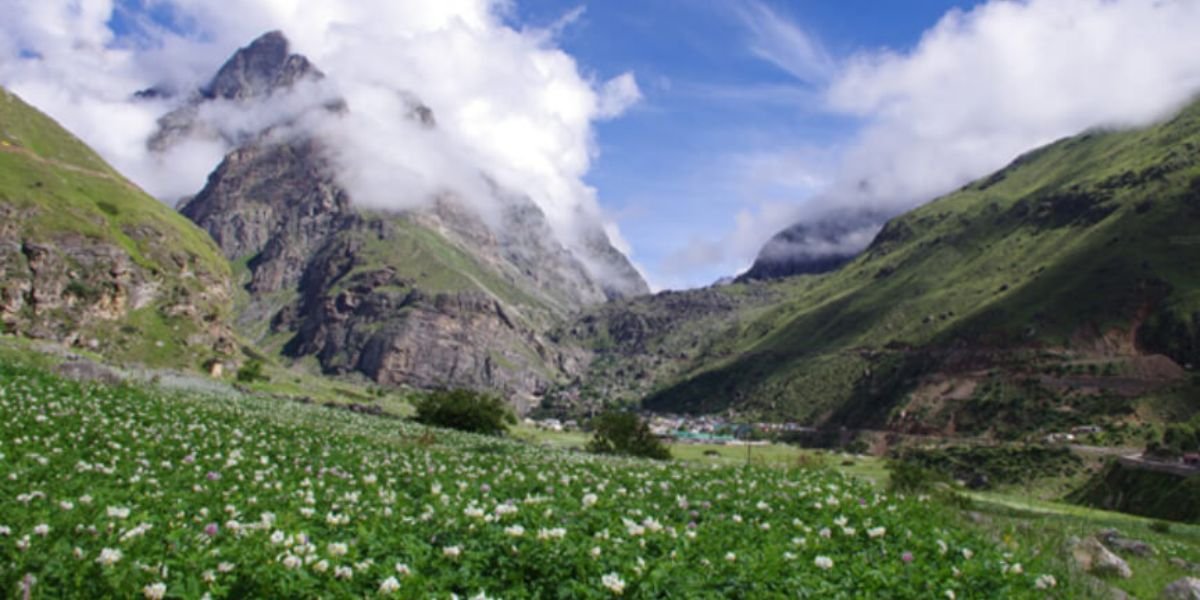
(509,104)
(980,87)
(983,86)
(785,44)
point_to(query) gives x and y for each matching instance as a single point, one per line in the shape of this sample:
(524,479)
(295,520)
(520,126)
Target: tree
(465,410)
(624,433)
(252,371)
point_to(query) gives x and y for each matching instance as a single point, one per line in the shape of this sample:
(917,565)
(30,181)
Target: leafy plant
(252,371)
(465,410)
(625,433)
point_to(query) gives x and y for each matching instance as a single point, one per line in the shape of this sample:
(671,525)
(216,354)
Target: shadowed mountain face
(431,297)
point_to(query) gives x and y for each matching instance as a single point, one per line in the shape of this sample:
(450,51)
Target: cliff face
(433,297)
(89,260)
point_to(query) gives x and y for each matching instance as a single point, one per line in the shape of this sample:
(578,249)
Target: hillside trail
(11,148)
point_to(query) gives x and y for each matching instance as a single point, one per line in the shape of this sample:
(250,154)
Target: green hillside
(88,256)
(1039,292)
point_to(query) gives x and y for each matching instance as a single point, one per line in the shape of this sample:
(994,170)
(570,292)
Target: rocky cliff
(89,260)
(431,297)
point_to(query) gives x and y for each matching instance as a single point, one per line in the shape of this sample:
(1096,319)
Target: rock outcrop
(438,296)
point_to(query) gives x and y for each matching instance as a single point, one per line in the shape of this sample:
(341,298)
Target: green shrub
(465,410)
(624,433)
(251,371)
(908,477)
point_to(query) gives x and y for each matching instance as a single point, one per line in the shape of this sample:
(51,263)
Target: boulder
(1113,539)
(1186,588)
(1093,557)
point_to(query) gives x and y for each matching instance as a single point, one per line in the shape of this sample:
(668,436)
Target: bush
(465,410)
(251,371)
(907,477)
(624,433)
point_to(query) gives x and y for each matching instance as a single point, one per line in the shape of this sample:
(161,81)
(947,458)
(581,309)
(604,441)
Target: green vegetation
(626,434)
(465,410)
(252,371)
(1012,282)
(59,196)
(1145,492)
(123,492)
(1177,439)
(986,466)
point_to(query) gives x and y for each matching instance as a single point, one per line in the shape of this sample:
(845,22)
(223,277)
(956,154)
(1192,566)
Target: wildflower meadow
(125,492)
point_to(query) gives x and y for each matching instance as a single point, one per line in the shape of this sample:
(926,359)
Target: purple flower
(213,476)
(485,488)
(189,459)
(212,529)
(907,557)
(691,525)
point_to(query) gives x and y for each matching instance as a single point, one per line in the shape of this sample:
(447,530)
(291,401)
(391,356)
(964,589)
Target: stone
(1185,588)
(1113,539)
(1093,557)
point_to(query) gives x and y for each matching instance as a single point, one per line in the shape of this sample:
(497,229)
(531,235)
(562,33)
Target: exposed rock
(1091,556)
(82,369)
(1185,588)
(1112,538)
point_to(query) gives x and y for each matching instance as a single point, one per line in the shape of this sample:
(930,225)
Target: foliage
(1177,439)
(251,372)
(1145,492)
(984,466)
(465,410)
(625,433)
(238,497)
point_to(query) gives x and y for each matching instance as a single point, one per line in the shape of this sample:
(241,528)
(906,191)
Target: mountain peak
(260,69)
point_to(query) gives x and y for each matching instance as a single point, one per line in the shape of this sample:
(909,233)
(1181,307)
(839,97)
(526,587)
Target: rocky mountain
(1059,291)
(88,259)
(432,297)
(815,246)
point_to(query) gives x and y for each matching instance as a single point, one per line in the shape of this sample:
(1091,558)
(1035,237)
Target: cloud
(978,89)
(983,86)
(785,44)
(510,105)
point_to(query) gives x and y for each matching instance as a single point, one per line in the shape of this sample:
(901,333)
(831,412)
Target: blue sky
(671,170)
(746,116)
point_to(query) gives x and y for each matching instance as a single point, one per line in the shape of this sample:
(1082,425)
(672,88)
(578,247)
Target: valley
(406,369)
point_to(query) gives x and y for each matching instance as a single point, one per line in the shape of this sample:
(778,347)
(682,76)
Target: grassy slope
(65,190)
(1002,263)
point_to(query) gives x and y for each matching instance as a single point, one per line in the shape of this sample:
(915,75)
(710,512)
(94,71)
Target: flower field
(122,492)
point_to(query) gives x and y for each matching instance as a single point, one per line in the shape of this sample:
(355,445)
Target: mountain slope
(1061,289)
(431,297)
(89,259)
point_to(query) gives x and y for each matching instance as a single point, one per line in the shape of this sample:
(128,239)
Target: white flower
(389,586)
(823,562)
(1016,569)
(109,557)
(967,553)
(118,512)
(343,573)
(1045,582)
(277,538)
(42,530)
(825,533)
(614,583)
(5,530)
(876,532)
(590,500)
(225,567)
(291,561)
(556,533)
(155,591)
(321,566)
(950,594)
(515,531)
(730,557)
(66,505)
(337,549)
(403,569)
(942,548)
(451,552)
(594,552)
